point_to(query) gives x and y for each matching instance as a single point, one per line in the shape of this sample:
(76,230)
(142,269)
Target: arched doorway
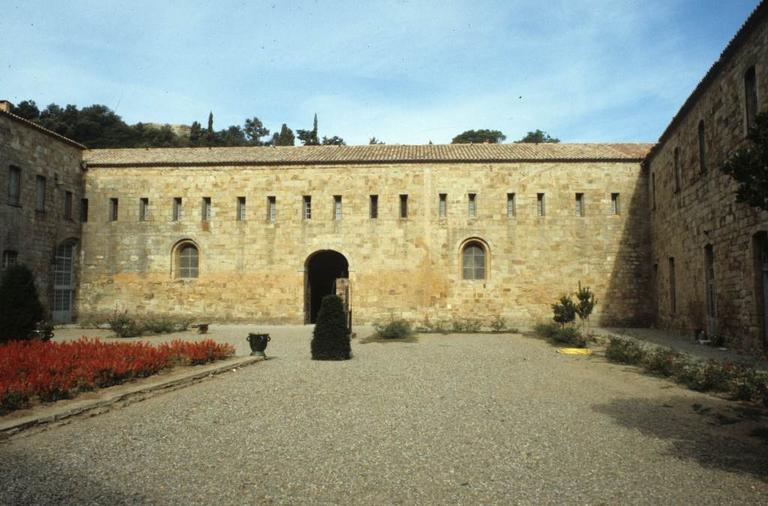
(322,270)
(63,282)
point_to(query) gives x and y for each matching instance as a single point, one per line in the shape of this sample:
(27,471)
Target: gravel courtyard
(474,419)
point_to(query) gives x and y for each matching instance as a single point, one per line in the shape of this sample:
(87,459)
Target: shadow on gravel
(373,338)
(30,480)
(694,433)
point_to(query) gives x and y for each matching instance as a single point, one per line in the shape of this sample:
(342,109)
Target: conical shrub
(20,307)
(330,340)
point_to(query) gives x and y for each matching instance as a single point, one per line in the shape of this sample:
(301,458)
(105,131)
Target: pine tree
(330,339)
(20,307)
(285,138)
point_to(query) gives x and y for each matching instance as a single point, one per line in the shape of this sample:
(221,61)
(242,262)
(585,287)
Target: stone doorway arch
(322,271)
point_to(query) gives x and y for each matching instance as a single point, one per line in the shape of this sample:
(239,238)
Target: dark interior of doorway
(323,269)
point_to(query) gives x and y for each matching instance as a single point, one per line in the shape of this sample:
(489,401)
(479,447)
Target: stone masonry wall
(36,235)
(254,270)
(704,211)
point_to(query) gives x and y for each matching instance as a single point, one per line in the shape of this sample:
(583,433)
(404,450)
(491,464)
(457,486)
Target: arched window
(187,260)
(473,260)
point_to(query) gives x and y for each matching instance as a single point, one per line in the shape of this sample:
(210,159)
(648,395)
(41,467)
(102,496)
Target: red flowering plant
(52,371)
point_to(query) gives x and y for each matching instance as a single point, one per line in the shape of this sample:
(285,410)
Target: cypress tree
(330,339)
(20,307)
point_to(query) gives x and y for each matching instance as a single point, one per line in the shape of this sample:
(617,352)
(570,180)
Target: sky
(405,71)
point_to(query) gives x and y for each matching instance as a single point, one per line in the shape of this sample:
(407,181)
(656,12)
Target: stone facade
(698,216)
(255,269)
(32,231)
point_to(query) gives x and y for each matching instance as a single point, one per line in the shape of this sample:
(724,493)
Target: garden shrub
(466,325)
(564,310)
(703,376)
(498,323)
(127,326)
(663,361)
(585,305)
(547,330)
(123,325)
(748,384)
(20,307)
(570,336)
(330,339)
(394,329)
(624,351)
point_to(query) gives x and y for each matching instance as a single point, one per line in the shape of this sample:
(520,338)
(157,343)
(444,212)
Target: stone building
(710,254)
(421,232)
(40,217)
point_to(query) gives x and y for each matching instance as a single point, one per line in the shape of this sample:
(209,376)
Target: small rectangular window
(374,207)
(205,213)
(337,207)
(67,205)
(241,209)
(10,258)
(653,191)
(271,208)
(307,207)
(615,205)
(677,169)
(540,209)
(442,205)
(84,210)
(40,194)
(113,209)
(510,205)
(143,209)
(672,287)
(14,186)
(702,148)
(579,204)
(403,206)
(750,97)
(472,202)
(177,209)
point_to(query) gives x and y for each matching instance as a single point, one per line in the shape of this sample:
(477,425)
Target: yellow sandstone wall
(254,270)
(704,210)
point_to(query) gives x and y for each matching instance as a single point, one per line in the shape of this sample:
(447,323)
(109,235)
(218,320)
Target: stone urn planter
(258,343)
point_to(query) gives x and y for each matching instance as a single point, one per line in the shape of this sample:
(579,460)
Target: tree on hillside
(479,137)
(195,133)
(27,109)
(748,165)
(285,137)
(309,137)
(210,136)
(333,141)
(538,137)
(254,130)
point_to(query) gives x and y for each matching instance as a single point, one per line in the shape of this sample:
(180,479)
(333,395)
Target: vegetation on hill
(479,137)
(97,126)
(538,137)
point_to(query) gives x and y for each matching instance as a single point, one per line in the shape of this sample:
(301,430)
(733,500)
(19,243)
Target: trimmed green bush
(547,330)
(394,329)
(126,326)
(330,340)
(624,351)
(20,307)
(570,336)
(748,384)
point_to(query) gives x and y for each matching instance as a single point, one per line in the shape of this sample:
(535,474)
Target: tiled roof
(44,130)
(753,21)
(366,154)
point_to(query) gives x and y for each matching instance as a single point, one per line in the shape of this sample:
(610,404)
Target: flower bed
(52,371)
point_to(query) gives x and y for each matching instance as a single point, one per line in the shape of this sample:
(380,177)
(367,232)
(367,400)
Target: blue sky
(404,71)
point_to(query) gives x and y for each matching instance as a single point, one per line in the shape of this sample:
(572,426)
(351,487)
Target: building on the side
(419,232)
(40,217)
(709,253)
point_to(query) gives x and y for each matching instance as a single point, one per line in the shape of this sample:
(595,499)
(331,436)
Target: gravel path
(439,420)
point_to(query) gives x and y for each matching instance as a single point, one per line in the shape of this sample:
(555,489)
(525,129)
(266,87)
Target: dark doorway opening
(322,270)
